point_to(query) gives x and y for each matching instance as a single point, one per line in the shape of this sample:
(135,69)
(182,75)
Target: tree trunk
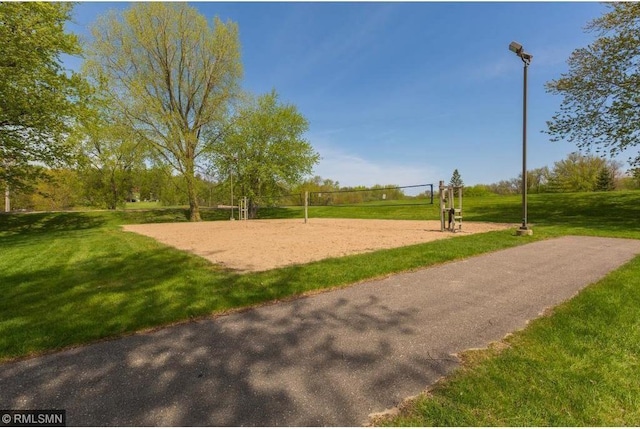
(194,208)
(191,144)
(113,197)
(253,209)
(194,211)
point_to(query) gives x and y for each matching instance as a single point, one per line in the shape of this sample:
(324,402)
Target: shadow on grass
(56,222)
(114,292)
(271,366)
(45,223)
(167,215)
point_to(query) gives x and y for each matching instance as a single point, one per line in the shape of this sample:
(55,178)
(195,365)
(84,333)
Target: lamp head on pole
(517,48)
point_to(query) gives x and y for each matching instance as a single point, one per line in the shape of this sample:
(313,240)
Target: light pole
(526,59)
(232,218)
(231,159)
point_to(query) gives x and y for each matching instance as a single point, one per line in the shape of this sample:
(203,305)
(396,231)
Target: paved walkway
(330,359)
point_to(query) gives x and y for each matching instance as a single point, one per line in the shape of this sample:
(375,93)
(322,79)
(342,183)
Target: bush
(477,191)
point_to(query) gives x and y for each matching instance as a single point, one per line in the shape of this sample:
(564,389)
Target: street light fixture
(526,58)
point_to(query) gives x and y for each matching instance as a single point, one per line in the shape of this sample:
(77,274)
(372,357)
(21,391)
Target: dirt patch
(259,245)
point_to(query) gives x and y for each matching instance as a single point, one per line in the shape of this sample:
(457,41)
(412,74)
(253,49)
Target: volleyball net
(376,196)
(353,196)
(287,205)
(282,201)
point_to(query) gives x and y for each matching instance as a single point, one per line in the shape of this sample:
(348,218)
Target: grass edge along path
(576,366)
(74,280)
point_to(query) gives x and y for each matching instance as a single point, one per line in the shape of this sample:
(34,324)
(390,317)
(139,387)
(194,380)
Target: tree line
(66,189)
(157,113)
(576,173)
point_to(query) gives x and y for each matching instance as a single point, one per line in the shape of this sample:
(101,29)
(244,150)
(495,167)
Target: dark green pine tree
(456,180)
(605,180)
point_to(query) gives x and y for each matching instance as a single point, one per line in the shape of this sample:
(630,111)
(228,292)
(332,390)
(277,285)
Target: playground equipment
(448,210)
(243,208)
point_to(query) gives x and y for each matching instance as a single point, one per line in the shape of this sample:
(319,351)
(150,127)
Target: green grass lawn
(72,278)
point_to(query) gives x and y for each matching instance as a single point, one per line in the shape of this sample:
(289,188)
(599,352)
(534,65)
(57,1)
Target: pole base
(524,231)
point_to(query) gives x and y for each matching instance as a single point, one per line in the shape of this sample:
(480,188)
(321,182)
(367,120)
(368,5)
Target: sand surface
(258,245)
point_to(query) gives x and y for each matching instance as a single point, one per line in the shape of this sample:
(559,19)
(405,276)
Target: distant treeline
(65,189)
(576,173)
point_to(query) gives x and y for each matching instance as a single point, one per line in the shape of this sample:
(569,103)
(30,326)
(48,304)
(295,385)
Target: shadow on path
(263,367)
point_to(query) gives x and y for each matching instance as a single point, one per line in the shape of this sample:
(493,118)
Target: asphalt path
(330,359)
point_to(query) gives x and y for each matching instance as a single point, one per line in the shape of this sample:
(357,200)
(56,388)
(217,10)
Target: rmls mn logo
(33,418)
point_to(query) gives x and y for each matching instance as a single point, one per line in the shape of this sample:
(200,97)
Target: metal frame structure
(448,209)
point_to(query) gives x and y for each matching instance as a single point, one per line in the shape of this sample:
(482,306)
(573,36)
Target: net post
(431,193)
(441,195)
(460,204)
(306,206)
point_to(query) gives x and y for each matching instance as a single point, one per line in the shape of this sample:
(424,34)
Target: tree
(109,160)
(61,189)
(537,179)
(265,150)
(601,105)
(507,187)
(635,174)
(154,183)
(172,77)
(38,98)
(577,173)
(605,180)
(456,180)
(318,189)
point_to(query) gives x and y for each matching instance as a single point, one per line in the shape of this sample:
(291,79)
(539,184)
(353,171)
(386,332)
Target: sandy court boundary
(259,245)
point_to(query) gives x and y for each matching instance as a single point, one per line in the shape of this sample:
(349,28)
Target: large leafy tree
(110,156)
(601,90)
(265,150)
(39,99)
(579,172)
(171,77)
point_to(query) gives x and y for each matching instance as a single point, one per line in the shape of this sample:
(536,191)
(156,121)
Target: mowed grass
(72,278)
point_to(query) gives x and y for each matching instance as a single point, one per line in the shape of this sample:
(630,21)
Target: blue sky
(405,93)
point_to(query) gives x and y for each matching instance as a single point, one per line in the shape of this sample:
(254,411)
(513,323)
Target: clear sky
(405,93)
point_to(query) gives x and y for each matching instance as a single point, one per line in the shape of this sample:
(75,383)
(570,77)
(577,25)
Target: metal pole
(7,201)
(232,195)
(460,206)
(524,149)
(441,195)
